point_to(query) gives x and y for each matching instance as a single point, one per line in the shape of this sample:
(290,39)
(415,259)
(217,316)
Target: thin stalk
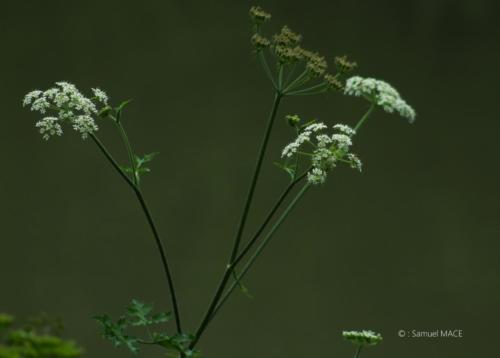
(295,81)
(258,165)
(266,68)
(152,225)
(364,118)
(261,247)
(358,351)
(269,216)
(112,160)
(229,267)
(280,77)
(290,74)
(162,251)
(311,93)
(323,86)
(130,152)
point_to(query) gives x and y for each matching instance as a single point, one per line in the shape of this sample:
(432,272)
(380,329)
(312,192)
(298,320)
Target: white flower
(31,96)
(343,141)
(327,150)
(85,125)
(100,95)
(315,127)
(316,176)
(293,147)
(344,129)
(355,162)
(49,126)
(41,105)
(69,104)
(304,136)
(381,93)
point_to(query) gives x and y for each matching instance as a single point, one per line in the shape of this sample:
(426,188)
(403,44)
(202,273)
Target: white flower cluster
(70,106)
(381,93)
(327,149)
(362,338)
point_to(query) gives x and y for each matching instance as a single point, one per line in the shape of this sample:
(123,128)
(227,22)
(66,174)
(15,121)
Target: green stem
(294,82)
(163,255)
(261,247)
(290,74)
(319,88)
(358,351)
(229,267)
(112,160)
(364,118)
(266,68)
(130,152)
(147,213)
(269,216)
(258,166)
(280,77)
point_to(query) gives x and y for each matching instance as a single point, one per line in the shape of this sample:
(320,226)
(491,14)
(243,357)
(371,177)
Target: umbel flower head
(326,150)
(381,93)
(286,49)
(362,338)
(69,105)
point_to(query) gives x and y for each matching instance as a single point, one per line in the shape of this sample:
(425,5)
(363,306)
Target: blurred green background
(411,243)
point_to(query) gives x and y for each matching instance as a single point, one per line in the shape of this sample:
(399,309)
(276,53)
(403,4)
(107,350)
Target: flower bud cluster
(260,42)
(344,65)
(69,105)
(258,15)
(327,149)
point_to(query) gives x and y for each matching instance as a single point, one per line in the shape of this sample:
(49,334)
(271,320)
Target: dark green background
(411,243)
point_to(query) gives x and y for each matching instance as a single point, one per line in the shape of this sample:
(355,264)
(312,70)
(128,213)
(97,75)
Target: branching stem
(261,247)
(152,225)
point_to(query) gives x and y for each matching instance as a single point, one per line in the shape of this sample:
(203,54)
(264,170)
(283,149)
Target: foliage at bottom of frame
(40,337)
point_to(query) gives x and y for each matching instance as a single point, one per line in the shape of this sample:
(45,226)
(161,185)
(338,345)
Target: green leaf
(284,166)
(146,158)
(119,109)
(115,332)
(161,317)
(139,314)
(104,112)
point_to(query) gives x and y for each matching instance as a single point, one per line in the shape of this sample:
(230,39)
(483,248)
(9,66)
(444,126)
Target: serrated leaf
(115,332)
(138,313)
(161,317)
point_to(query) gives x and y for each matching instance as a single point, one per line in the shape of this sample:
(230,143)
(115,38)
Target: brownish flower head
(260,42)
(258,15)
(333,83)
(316,65)
(344,65)
(287,37)
(288,55)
